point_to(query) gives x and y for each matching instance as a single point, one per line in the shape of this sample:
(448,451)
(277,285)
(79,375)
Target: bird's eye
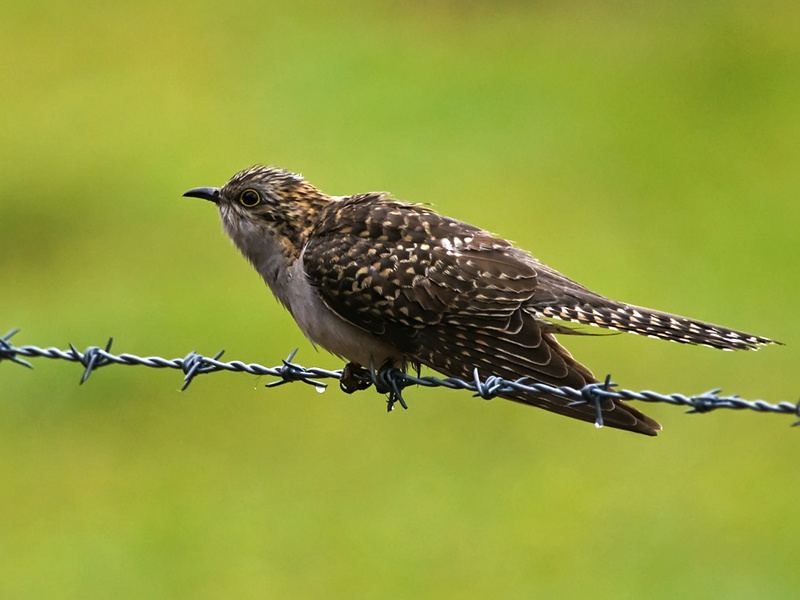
(249,198)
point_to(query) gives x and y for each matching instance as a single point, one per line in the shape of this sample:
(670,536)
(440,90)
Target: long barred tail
(656,324)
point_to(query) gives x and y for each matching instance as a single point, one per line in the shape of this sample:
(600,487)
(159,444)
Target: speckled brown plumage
(372,278)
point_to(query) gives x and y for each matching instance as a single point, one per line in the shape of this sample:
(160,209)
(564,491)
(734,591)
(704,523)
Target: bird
(380,282)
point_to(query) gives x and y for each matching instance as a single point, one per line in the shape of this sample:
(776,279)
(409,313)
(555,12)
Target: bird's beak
(206,193)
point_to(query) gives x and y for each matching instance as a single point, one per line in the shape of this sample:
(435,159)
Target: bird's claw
(354,377)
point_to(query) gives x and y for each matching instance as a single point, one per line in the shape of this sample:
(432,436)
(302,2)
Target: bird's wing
(447,294)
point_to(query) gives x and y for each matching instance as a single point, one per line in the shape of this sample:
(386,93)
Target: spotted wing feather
(448,295)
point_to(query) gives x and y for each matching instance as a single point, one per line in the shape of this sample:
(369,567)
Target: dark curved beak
(206,193)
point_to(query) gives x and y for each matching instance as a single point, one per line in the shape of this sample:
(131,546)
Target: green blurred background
(649,151)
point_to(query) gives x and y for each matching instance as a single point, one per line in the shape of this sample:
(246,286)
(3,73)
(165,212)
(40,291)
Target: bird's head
(266,201)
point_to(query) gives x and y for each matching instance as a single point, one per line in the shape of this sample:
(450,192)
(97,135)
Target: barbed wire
(391,381)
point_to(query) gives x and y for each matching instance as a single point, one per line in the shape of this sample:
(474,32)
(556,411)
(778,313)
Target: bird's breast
(325,328)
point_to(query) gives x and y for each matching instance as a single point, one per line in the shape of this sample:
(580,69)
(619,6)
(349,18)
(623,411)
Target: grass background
(649,151)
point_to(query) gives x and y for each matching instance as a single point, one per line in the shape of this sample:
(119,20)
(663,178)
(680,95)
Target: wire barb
(92,359)
(391,381)
(490,387)
(195,364)
(593,394)
(8,352)
(291,372)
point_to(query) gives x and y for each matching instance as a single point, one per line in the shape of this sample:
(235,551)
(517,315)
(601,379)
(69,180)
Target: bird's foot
(388,380)
(354,378)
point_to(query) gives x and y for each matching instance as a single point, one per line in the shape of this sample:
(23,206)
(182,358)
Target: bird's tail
(652,323)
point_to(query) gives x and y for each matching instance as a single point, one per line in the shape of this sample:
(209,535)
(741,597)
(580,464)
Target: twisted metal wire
(391,381)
